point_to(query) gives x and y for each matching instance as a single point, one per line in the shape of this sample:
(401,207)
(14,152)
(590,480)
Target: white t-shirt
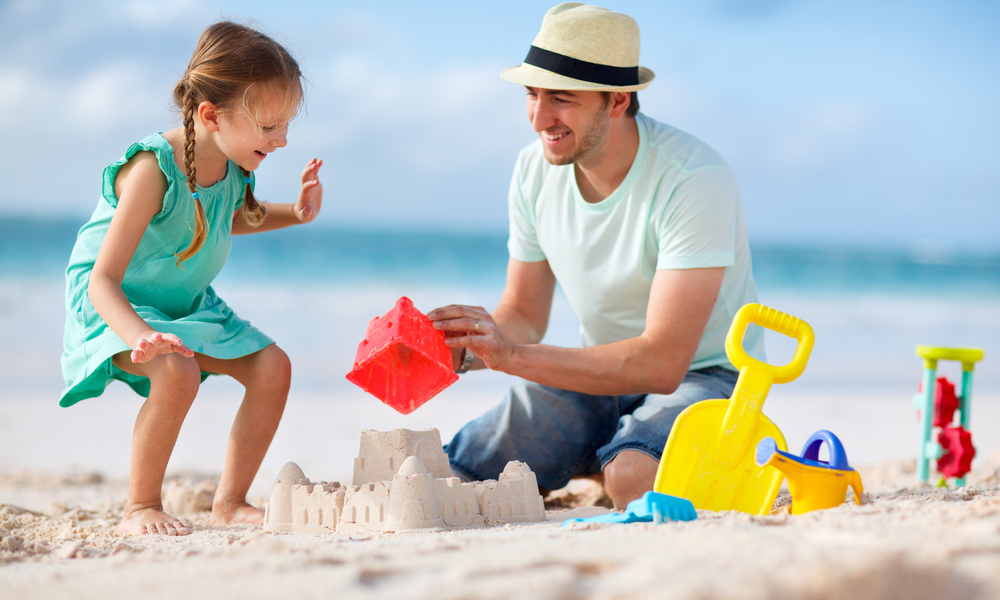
(678,208)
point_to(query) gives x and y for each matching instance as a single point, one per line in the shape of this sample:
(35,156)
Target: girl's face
(247,140)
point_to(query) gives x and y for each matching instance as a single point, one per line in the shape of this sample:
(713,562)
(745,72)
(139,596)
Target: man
(642,226)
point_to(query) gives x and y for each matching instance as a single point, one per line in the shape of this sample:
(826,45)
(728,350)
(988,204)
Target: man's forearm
(518,327)
(632,366)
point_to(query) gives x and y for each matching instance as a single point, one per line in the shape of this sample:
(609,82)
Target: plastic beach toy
(709,456)
(814,484)
(403,361)
(652,507)
(937,403)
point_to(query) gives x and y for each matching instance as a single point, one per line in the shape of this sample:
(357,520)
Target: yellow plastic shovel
(709,456)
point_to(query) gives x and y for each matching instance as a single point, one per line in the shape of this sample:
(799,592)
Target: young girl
(139,305)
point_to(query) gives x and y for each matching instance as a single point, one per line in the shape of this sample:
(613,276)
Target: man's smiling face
(571,124)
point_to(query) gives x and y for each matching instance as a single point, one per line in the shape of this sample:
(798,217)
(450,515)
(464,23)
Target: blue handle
(838,457)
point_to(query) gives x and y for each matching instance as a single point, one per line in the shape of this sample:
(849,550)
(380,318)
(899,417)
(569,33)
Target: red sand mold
(403,361)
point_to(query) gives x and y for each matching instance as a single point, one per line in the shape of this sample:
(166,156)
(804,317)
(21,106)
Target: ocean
(314,288)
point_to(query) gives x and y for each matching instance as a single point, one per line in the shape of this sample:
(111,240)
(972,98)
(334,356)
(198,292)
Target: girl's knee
(177,374)
(274,368)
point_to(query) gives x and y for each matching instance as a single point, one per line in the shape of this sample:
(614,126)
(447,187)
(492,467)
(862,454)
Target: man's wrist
(467,359)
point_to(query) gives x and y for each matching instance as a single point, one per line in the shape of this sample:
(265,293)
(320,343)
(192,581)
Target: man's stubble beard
(590,139)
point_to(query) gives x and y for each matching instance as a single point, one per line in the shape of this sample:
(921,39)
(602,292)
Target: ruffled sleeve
(164,156)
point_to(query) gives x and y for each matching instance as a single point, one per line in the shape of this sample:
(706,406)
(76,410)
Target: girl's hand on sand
(153,343)
(473,328)
(311,194)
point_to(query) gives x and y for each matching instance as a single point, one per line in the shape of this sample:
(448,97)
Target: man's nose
(541,117)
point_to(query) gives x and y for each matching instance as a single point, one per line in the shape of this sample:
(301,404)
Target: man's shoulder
(679,146)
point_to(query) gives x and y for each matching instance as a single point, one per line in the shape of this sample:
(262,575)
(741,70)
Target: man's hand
(153,343)
(473,328)
(311,194)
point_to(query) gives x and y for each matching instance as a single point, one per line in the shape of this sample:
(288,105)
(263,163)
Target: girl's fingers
(158,343)
(312,168)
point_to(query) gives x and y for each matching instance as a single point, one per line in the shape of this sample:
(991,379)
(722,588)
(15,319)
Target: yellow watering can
(814,484)
(709,456)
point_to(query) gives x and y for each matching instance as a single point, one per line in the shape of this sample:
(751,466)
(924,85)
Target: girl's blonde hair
(228,62)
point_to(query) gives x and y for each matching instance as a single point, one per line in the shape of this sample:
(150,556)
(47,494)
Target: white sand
(62,486)
(904,541)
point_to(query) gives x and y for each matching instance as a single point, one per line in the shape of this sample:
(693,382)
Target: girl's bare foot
(232,513)
(143,519)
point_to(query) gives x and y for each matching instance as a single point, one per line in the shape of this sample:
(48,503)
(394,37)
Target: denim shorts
(562,434)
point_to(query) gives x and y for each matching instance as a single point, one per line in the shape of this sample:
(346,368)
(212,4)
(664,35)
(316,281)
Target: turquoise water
(40,248)
(314,290)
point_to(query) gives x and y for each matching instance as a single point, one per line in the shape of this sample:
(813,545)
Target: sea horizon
(870,306)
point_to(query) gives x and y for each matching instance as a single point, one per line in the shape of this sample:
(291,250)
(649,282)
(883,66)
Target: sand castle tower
(383,452)
(413,501)
(278,513)
(513,498)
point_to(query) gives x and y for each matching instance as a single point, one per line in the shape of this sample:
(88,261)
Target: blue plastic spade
(652,507)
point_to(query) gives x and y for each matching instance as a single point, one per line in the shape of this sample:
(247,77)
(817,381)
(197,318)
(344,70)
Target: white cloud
(107,96)
(436,120)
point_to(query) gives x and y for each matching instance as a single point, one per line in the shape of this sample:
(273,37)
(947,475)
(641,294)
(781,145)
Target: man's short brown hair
(633,103)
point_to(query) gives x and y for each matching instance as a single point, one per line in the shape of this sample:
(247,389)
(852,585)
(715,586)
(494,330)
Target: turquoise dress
(172,299)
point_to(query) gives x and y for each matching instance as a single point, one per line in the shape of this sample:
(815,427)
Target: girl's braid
(201,223)
(254,212)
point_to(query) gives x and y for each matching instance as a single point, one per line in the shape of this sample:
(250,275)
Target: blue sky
(853,122)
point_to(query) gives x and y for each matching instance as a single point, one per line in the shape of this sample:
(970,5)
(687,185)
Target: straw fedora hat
(582,47)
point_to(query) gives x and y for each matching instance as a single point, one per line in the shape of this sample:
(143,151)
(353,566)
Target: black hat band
(581,69)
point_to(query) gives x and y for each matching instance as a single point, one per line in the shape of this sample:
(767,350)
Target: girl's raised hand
(153,343)
(311,194)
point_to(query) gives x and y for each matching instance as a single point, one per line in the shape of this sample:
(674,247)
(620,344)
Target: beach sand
(905,540)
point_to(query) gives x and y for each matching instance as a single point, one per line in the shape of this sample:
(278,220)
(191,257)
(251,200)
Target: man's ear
(619,103)
(208,115)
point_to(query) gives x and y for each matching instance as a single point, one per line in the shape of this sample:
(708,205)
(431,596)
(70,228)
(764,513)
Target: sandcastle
(402,481)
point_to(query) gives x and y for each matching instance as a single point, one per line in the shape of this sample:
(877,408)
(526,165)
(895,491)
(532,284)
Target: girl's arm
(283,215)
(140,186)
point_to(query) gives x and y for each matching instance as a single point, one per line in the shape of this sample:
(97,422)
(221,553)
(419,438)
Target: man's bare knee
(628,476)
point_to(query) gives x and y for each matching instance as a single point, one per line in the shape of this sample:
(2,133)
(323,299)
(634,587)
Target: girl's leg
(174,382)
(266,375)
